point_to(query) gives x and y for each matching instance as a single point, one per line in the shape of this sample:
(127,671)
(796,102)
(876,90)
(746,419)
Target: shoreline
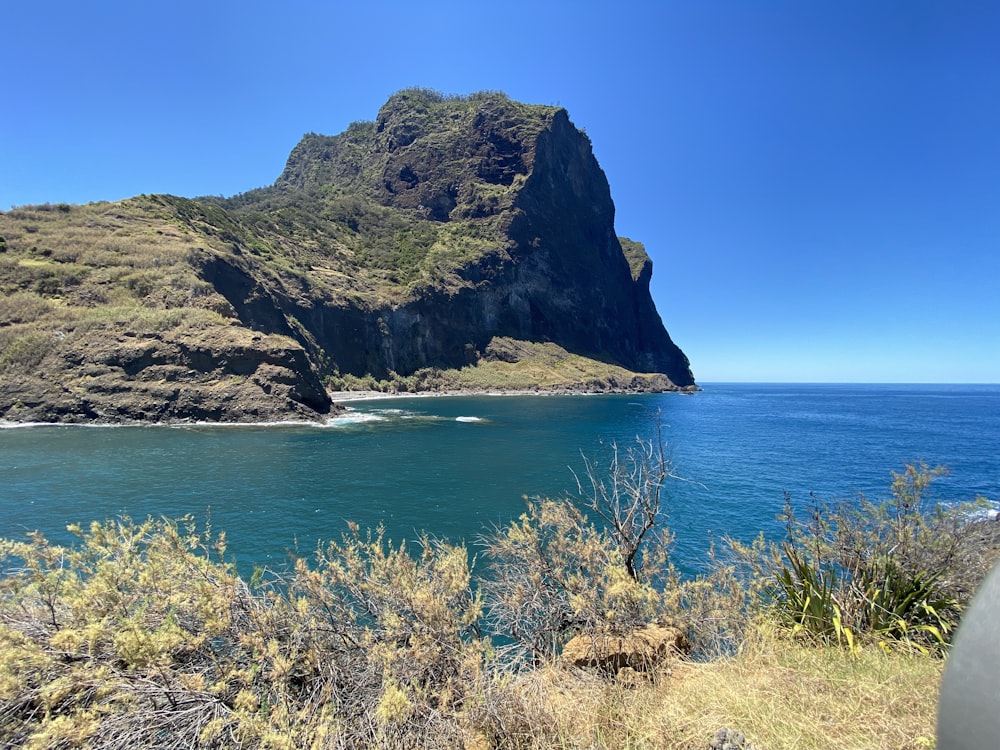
(340,397)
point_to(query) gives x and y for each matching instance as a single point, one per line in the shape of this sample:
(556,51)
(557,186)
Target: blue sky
(818,183)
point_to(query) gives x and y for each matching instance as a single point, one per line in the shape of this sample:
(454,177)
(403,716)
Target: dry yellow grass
(780,694)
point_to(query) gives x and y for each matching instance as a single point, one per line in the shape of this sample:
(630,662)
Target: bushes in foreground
(892,573)
(143,635)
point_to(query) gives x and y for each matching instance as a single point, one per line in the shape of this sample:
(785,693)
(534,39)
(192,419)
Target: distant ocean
(456,465)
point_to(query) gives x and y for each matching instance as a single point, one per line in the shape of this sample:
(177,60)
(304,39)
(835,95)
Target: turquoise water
(455,465)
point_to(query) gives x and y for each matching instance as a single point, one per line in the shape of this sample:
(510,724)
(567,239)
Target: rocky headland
(454,242)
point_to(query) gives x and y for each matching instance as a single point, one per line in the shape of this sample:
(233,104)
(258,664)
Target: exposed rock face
(640,650)
(405,244)
(566,217)
(212,377)
(524,183)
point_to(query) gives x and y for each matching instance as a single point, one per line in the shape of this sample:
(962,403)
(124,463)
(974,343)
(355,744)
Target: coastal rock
(219,376)
(406,245)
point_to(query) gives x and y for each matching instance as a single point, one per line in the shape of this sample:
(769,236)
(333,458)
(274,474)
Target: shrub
(142,635)
(22,307)
(717,608)
(25,351)
(553,575)
(132,637)
(626,492)
(404,630)
(894,572)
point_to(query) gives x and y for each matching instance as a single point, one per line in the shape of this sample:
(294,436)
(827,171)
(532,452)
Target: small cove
(455,465)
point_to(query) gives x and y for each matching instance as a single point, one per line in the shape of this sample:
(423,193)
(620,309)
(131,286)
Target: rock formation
(400,246)
(518,194)
(640,650)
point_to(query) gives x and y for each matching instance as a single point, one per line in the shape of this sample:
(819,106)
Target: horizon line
(846,382)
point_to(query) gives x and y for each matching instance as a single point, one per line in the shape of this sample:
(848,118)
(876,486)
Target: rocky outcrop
(215,376)
(564,227)
(524,184)
(640,650)
(729,739)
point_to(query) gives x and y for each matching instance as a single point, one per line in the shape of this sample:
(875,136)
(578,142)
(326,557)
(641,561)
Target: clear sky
(818,183)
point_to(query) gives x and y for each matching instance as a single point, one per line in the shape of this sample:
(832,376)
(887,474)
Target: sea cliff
(448,233)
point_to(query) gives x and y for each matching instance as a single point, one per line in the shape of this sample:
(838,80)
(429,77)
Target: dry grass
(513,365)
(539,365)
(780,694)
(787,695)
(84,257)
(527,364)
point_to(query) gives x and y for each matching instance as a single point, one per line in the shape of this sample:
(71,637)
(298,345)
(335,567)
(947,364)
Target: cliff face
(519,185)
(104,318)
(410,242)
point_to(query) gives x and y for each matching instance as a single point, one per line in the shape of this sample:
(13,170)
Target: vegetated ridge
(453,242)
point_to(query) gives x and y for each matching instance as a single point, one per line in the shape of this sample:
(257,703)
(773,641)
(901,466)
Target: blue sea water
(453,466)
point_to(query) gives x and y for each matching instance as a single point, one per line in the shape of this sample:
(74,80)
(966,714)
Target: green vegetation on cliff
(508,365)
(106,314)
(402,246)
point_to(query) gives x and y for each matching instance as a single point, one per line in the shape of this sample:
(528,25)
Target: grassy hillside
(103,262)
(74,278)
(509,365)
(105,314)
(69,274)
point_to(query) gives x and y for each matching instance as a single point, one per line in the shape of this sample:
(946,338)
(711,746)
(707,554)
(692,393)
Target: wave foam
(17,425)
(352,418)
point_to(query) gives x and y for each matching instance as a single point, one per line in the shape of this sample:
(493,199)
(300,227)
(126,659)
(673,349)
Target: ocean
(456,466)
